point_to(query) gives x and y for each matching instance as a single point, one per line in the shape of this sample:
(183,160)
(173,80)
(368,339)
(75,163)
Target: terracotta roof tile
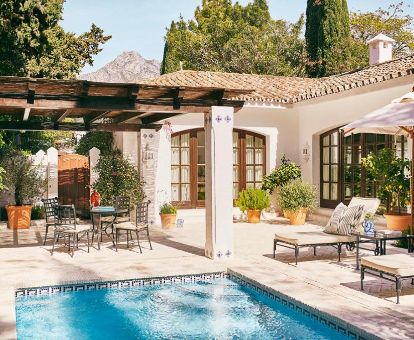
(289,89)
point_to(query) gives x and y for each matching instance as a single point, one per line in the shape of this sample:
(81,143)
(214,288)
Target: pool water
(219,309)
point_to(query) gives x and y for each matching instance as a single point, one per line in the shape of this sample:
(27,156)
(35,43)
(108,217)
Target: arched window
(188,165)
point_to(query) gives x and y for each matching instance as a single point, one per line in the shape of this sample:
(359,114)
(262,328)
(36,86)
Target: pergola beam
(44,126)
(94,101)
(26,113)
(61,117)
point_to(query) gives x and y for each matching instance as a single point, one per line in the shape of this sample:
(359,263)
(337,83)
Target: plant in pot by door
(168,214)
(297,198)
(391,174)
(278,177)
(253,201)
(23,182)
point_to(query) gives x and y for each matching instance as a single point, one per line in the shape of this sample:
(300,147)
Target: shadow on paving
(381,288)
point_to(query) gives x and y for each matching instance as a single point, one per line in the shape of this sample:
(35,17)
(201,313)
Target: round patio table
(98,213)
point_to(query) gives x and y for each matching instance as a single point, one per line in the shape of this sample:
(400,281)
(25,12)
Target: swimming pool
(219,308)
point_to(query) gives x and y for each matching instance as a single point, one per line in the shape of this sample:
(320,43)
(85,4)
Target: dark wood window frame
(194,202)
(356,182)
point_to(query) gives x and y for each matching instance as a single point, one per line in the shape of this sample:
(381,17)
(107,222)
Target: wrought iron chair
(123,214)
(122,205)
(141,225)
(66,225)
(50,213)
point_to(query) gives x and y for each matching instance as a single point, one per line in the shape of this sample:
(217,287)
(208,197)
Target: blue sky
(139,25)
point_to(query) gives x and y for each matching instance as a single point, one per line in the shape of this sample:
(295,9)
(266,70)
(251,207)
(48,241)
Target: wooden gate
(73,182)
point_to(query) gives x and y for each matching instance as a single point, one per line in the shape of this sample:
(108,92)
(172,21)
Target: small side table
(380,239)
(100,212)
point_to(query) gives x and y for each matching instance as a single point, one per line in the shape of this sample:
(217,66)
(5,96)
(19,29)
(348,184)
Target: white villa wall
(279,126)
(287,129)
(321,115)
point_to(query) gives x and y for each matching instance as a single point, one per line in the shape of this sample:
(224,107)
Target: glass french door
(342,175)
(188,165)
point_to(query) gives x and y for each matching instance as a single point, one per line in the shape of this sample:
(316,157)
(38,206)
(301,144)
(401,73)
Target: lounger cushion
(350,219)
(333,223)
(397,264)
(312,238)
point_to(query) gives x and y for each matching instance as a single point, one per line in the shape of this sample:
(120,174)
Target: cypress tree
(327,37)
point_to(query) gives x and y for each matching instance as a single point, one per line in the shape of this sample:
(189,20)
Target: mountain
(129,67)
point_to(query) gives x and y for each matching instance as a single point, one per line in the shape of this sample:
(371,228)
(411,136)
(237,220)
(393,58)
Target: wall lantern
(306,152)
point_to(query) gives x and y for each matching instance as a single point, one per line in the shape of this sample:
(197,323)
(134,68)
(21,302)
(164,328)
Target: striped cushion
(350,219)
(333,224)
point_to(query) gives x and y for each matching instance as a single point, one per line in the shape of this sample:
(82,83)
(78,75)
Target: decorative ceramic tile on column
(219,182)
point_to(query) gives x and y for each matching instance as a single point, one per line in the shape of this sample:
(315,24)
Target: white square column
(218,124)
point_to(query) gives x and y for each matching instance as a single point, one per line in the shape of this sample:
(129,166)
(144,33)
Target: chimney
(380,49)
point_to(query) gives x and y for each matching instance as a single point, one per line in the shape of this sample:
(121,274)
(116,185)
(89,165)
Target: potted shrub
(392,176)
(25,184)
(253,201)
(278,177)
(297,198)
(168,214)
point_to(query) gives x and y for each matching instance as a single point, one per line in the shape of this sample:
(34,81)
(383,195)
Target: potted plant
(278,177)
(24,183)
(297,198)
(253,201)
(168,214)
(391,174)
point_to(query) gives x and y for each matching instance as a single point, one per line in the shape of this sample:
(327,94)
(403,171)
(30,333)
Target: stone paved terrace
(320,282)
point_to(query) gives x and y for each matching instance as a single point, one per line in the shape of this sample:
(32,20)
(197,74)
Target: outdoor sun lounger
(316,237)
(389,267)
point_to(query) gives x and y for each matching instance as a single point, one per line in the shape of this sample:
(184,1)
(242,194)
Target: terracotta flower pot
(398,222)
(168,221)
(253,216)
(297,217)
(18,217)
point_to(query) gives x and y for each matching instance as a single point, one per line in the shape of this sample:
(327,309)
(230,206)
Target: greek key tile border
(85,286)
(333,322)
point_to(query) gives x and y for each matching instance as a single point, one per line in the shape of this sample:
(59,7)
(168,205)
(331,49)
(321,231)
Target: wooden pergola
(79,105)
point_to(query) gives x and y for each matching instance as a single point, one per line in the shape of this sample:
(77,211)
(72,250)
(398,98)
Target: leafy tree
(229,37)
(391,21)
(117,177)
(33,141)
(33,44)
(98,139)
(327,37)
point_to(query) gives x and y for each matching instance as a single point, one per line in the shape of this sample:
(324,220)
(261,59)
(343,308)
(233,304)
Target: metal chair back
(50,205)
(122,204)
(66,216)
(142,213)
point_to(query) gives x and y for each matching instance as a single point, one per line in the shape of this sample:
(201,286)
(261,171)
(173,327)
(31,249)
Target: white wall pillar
(52,173)
(127,142)
(94,155)
(218,125)
(155,148)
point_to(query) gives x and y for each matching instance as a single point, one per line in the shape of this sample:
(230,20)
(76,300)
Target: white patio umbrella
(396,118)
